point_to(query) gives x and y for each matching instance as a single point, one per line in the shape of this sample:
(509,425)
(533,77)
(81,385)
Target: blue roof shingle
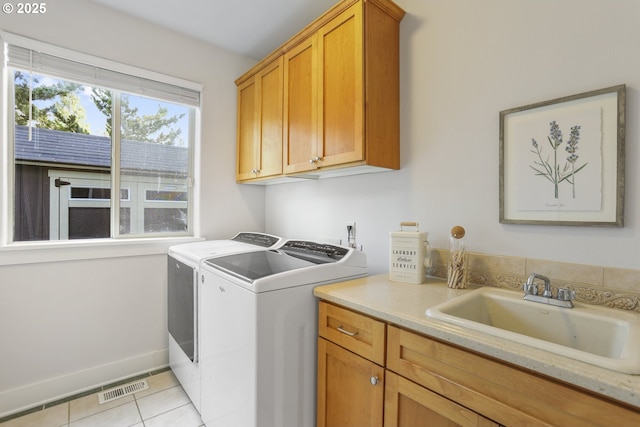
(53,146)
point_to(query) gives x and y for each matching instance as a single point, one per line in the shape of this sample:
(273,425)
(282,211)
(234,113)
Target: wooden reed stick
(456,270)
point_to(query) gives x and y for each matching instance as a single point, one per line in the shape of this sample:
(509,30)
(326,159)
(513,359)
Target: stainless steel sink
(601,336)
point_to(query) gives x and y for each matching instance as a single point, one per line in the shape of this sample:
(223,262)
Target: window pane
(176,196)
(155,138)
(157,220)
(59,126)
(89,223)
(90,193)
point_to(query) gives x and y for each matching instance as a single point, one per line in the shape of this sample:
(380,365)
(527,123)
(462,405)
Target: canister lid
(415,234)
(458,232)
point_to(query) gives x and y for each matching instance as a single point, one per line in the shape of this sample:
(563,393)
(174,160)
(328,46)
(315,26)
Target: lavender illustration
(552,171)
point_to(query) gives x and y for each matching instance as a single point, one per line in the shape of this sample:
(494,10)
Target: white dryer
(182,301)
(259,332)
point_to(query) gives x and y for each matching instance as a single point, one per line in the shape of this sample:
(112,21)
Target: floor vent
(122,391)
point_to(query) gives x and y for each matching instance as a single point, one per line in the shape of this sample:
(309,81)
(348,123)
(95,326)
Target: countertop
(404,305)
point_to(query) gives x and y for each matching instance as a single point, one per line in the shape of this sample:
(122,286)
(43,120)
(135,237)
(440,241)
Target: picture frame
(562,161)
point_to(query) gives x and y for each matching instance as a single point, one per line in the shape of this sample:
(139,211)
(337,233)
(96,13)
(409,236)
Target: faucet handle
(566,294)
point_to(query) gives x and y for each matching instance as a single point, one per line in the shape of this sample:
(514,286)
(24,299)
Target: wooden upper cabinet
(246,133)
(324,96)
(342,100)
(259,125)
(341,92)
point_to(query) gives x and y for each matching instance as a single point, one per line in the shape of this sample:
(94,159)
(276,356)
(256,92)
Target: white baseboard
(53,389)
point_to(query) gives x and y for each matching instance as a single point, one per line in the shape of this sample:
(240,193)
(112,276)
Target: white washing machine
(182,296)
(259,332)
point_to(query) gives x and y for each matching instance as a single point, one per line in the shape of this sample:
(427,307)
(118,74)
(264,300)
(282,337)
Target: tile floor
(164,403)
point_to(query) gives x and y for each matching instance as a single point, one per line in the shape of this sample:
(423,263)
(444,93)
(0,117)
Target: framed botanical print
(562,161)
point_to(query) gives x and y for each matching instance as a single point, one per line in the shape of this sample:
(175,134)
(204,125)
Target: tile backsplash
(607,286)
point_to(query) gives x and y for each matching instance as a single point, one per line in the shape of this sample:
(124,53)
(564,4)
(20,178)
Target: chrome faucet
(565,295)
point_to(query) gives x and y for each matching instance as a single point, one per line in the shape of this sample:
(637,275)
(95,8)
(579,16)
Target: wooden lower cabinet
(355,390)
(429,383)
(406,404)
(505,393)
(350,388)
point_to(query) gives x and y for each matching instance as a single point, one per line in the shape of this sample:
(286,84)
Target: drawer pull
(344,331)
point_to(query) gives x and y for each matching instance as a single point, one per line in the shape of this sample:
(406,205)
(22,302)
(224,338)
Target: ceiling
(248,27)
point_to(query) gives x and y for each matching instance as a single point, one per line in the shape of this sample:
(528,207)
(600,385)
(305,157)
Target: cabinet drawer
(355,332)
(502,392)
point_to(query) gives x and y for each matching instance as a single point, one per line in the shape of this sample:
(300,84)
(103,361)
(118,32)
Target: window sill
(73,250)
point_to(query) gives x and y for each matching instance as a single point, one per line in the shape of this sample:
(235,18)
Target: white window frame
(51,250)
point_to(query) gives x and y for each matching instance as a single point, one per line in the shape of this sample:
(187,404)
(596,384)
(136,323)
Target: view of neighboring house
(63,187)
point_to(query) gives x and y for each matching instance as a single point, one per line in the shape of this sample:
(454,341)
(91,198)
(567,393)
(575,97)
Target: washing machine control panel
(258,239)
(318,253)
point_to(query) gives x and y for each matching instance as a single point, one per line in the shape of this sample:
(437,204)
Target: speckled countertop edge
(404,305)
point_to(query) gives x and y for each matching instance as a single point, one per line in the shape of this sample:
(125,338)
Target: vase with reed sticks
(457,263)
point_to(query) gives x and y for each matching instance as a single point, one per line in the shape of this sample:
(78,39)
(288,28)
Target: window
(81,130)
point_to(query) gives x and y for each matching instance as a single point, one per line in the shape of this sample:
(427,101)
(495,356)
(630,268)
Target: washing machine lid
(292,255)
(244,241)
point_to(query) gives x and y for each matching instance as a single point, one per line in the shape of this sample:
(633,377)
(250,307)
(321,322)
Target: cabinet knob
(314,160)
(373,380)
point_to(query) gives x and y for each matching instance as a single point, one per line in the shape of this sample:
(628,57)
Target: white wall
(70,325)
(462,62)
(74,324)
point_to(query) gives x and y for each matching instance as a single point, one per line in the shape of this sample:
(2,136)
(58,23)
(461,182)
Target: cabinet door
(271,109)
(247,130)
(409,405)
(259,140)
(350,388)
(341,93)
(300,106)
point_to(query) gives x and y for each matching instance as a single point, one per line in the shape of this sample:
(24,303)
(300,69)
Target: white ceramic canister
(408,254)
